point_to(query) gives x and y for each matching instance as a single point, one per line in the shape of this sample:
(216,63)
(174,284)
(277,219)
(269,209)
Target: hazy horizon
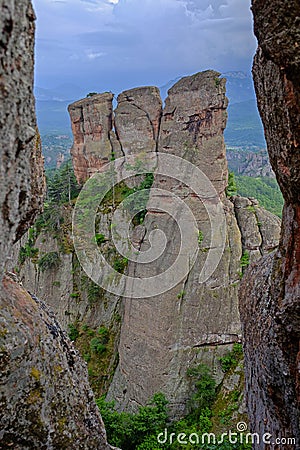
(119,44)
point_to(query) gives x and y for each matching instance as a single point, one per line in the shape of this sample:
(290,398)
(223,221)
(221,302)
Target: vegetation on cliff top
(264,189)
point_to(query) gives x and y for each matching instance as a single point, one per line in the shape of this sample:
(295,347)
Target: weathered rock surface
(270,292)
(21,163)
(259,228)
(91,121)
(46,401)
(162,336)
(76,301)
(101,135)
(137,120)
(251,164)
(193,122)
(191,323)
(45,398)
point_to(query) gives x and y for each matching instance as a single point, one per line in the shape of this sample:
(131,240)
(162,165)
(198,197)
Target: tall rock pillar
(163,335)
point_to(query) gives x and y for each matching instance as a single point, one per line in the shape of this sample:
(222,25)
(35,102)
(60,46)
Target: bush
(181,295)
(205,389)
(120,264)
(73,332)
(100,238)
(94,292)
(97,346)
(230,360)
(129,431)
(231,187)
(103,333)
(27,252)
(48,261)
(200,237)
(245,259)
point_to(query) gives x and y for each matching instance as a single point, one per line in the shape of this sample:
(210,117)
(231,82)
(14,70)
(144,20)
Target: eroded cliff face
(270,291)
(46,401)
(193,322)
(21,163)
(162,336)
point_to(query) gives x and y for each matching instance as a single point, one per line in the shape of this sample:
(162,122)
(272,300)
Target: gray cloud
(140,41)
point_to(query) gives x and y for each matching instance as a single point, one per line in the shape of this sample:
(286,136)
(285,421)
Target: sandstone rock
(162,336)
(193,122)
(270,292)
(91,120)
(137,120)
(260,229)
(101,135)
(21,163)
(46,401)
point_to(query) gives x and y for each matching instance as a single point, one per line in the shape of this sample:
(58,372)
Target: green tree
(205,389)
(231,186)
(128,431)
(62,187)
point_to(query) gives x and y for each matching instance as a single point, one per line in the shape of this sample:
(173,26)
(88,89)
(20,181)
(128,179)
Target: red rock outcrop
(101,135)
(270,291)
(91,120)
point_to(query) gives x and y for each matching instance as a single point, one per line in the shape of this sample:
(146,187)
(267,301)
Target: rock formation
(91,119)
(191,323)
(250,164)
(137,120)
(270,292)
(21,193)
(162,336)
(46,401)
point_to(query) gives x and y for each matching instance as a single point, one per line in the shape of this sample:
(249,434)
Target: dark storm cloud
(146,41)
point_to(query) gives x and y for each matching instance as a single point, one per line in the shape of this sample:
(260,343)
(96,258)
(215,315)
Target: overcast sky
(113,45)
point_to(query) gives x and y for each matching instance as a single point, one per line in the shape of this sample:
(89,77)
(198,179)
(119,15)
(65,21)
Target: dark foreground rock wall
(46,401)
(270,292)
(21,164)
(45,398)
